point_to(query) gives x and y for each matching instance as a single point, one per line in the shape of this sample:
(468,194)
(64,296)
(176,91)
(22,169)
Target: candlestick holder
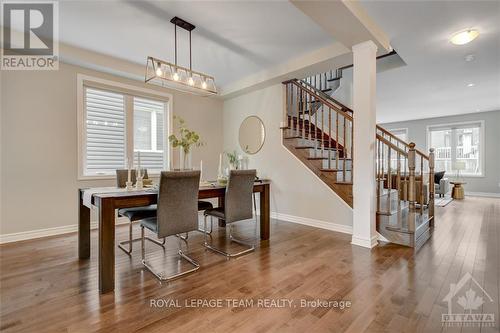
(139,183)
(128,186)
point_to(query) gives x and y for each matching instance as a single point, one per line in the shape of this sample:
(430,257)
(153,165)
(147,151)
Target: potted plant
(187,138)
(233,159)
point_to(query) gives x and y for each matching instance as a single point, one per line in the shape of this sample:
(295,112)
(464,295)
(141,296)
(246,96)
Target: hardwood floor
(45,288)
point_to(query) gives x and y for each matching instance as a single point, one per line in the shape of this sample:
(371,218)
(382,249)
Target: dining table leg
(106,244)
(265,214)
(83,228)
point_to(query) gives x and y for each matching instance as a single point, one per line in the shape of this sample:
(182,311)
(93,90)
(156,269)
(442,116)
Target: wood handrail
(322,99)
(392,145)
(419,152)
(342,106)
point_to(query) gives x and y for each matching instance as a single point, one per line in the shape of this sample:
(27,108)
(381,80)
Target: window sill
(96,177)
(152,174)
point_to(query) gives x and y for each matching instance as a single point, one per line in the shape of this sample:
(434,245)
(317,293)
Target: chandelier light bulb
(191,81)
(204,84)
(159,72)
(176,76)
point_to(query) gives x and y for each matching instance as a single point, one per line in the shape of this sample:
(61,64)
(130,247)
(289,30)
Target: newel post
(411,185)
(431,185)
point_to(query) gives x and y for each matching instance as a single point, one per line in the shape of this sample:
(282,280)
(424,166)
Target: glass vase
(185,160)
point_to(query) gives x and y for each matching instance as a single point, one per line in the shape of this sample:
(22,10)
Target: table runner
(88,193)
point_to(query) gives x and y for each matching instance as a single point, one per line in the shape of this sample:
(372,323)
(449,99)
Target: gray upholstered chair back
(238,200)
(178,202)
(122,176)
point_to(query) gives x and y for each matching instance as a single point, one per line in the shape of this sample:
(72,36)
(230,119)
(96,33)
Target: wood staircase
(318,130)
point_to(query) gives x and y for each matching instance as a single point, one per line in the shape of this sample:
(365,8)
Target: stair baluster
(431,185)
(411,187)
(330,139)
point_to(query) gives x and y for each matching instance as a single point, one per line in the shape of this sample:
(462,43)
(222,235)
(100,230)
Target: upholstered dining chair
(134,213)
(177,213)
(237,207)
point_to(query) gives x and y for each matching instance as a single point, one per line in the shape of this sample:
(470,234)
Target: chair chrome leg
(143,252)
(184,238)
(182,255)
(227,254)
(131,240)
(204,230)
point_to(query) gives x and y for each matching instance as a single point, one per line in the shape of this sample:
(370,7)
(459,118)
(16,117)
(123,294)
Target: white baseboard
(483,194)
(347,229)
(365,242)
(40,233)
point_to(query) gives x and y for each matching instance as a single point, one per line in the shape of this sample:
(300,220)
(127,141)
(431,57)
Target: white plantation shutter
(149,133)
(105,143)
(117,122)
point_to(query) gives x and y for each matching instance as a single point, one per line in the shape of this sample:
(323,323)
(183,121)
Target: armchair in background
(441,184)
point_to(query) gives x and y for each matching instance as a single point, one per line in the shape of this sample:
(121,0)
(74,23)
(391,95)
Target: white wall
(490,182)
(295,190)
(39,145)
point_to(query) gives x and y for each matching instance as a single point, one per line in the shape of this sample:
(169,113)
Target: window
(400,133)
(458,148)
(116,123)
(149,133)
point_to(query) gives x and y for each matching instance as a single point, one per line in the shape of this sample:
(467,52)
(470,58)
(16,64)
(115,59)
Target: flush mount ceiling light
(471,85)
(164,73)
(464,37)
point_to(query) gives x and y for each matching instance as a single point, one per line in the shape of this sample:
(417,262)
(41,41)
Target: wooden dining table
(108,203)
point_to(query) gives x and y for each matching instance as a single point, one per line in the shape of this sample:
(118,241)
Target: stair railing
(412,170)
(322,122)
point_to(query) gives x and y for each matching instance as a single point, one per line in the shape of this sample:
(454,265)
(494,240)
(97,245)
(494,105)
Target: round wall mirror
(252,134)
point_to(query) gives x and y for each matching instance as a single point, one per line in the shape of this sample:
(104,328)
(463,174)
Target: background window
(457,147)
(105,132)
(401,133)
(149,134)
(110,142)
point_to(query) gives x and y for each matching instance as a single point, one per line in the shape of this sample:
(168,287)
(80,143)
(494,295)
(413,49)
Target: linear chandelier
(164,73)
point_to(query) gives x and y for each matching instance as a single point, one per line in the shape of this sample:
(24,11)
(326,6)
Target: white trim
(86,80)
(41,233)
(346,229)
(365,242)
(483,194)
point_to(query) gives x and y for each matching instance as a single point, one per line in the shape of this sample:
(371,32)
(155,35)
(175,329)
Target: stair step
(326,90)
(326,153)
(343,165)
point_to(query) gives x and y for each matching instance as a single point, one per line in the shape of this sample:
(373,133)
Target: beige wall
(295,190)
(39,144)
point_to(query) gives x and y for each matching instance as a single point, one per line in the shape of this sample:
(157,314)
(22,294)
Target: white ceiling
(434,82)
(232,39)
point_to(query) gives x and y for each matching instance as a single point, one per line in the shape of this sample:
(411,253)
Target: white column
(364,231)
